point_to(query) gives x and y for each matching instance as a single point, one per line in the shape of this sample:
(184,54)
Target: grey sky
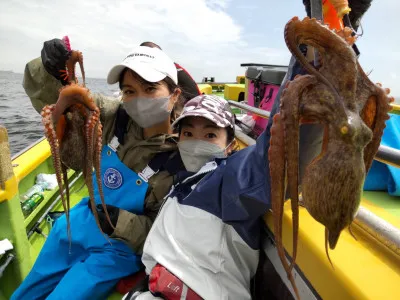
(208,37)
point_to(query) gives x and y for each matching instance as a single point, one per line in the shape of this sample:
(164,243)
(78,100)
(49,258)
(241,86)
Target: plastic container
(38,188)
(29,205)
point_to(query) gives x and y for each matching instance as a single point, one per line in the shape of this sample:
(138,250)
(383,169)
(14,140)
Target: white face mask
(196,153)
(147,112)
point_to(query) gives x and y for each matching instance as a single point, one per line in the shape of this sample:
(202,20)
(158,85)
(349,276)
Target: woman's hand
(104,224)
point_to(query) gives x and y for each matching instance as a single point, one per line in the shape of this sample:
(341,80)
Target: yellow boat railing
(8,181)
(16,155)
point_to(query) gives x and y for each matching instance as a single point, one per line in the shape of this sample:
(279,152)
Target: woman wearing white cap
(138,164)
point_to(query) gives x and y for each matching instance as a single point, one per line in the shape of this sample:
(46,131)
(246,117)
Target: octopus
(352,109)
(73,129)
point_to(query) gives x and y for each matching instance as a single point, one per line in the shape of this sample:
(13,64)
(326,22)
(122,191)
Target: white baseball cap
(151,64)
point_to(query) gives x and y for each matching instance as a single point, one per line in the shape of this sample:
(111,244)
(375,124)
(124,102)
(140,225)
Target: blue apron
(93,266)
(383,177)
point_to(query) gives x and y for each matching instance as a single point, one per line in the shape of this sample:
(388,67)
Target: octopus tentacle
(381,116)
(347,35)
(291,117)
(93,154)
(76,56)
(80,60)
(97,155)
(66,186)
(51,136)
(64,74)
(68,206)
(277,168)
(309,32)
(374,114)
(317,105)
(89,133)
(326,246)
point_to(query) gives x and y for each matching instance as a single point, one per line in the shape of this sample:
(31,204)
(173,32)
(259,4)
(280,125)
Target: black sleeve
(54,57)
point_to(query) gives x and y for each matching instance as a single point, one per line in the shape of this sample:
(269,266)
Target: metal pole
(9,259)
(378,228)
(386,155)
(316,9)
(257,111)
(316,12)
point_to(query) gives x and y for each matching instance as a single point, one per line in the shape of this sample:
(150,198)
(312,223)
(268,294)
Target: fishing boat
(366,266)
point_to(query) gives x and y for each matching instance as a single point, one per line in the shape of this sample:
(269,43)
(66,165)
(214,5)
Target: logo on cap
(139,54)
(112,178)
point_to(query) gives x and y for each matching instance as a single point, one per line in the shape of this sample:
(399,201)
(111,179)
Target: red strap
(127,283)
(163,282)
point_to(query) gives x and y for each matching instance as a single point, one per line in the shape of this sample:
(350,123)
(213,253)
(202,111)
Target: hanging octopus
(352,109)
(74,132)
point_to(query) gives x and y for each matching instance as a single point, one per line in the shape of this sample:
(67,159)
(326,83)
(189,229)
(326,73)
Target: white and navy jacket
(208,230)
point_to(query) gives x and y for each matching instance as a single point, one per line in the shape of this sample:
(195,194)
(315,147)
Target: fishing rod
(9,259)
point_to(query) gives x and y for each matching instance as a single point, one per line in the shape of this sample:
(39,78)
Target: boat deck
(364,268)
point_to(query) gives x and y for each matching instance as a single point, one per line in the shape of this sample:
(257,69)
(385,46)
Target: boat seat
(267,75)
(234,91)
(205,88)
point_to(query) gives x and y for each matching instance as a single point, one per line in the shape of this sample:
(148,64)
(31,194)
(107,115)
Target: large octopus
(352,109)
(74,132)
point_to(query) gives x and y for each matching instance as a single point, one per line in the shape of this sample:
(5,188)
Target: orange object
(341,6)
(331,16)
